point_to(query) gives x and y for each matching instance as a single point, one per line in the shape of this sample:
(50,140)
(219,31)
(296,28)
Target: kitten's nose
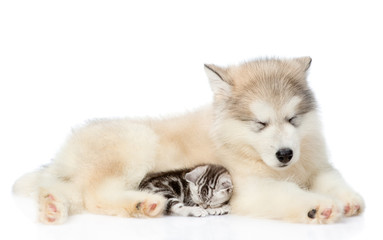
(204,205)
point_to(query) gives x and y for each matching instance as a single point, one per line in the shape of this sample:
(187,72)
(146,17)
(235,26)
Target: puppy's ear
(219,80)
(305,62)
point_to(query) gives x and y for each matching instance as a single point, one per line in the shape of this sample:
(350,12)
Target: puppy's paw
(51,210)
(328,211)
(353,203)
(151,207)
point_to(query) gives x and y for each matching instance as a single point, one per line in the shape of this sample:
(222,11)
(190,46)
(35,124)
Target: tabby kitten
(199,191)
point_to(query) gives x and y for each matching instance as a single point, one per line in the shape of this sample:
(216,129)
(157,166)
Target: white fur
(262,111)
(278,133)
(100,166)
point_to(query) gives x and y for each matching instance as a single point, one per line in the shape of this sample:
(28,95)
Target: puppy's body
(262,126)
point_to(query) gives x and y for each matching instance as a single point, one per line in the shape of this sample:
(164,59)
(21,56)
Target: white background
(63,62)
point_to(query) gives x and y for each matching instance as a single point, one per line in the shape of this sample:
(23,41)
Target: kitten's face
(211,192)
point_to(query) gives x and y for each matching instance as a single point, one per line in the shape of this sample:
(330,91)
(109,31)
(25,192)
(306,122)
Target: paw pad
(347,209)
(152,207)
(147,208)
(312,213)
(326,213)
(351,210)
(357,208)
(138,206)
(51,210)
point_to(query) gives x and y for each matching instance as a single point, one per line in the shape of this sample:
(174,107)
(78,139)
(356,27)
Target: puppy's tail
(27,185)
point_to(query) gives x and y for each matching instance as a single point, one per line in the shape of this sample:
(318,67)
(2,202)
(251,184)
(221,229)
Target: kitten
(199,191)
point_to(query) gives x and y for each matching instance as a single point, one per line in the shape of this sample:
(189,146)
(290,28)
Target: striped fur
(199,191)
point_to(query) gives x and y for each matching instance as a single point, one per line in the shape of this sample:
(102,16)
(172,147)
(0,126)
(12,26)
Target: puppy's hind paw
(51,210)
(152,207)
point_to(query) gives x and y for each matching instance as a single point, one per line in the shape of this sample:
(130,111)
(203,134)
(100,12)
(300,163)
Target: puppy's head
(262,108)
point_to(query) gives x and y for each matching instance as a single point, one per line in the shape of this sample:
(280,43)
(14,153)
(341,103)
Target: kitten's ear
(225,182)
(194,174)
(219,80)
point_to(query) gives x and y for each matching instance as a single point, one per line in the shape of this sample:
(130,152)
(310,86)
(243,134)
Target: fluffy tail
(27,185)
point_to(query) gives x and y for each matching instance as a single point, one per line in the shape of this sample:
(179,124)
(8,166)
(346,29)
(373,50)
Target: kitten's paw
(353,203)
(51,210)
(197,212)
(326,212)
(219,211)
(152,207)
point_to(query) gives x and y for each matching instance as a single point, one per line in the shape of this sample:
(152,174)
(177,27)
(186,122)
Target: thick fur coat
(262,126)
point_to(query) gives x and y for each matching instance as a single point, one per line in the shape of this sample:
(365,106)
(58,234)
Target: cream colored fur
(100,166)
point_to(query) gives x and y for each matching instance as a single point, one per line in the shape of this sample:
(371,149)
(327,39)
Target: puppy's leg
(57,198)
(57,201)
(111,198)
(332,183)
(273,199)
(127,204)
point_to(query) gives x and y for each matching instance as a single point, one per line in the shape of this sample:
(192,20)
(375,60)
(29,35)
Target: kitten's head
(210,185)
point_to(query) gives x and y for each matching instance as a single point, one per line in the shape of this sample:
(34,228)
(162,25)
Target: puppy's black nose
(284,155)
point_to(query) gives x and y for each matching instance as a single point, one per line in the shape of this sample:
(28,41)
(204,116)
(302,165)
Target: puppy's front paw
(353,203)
(327,211)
